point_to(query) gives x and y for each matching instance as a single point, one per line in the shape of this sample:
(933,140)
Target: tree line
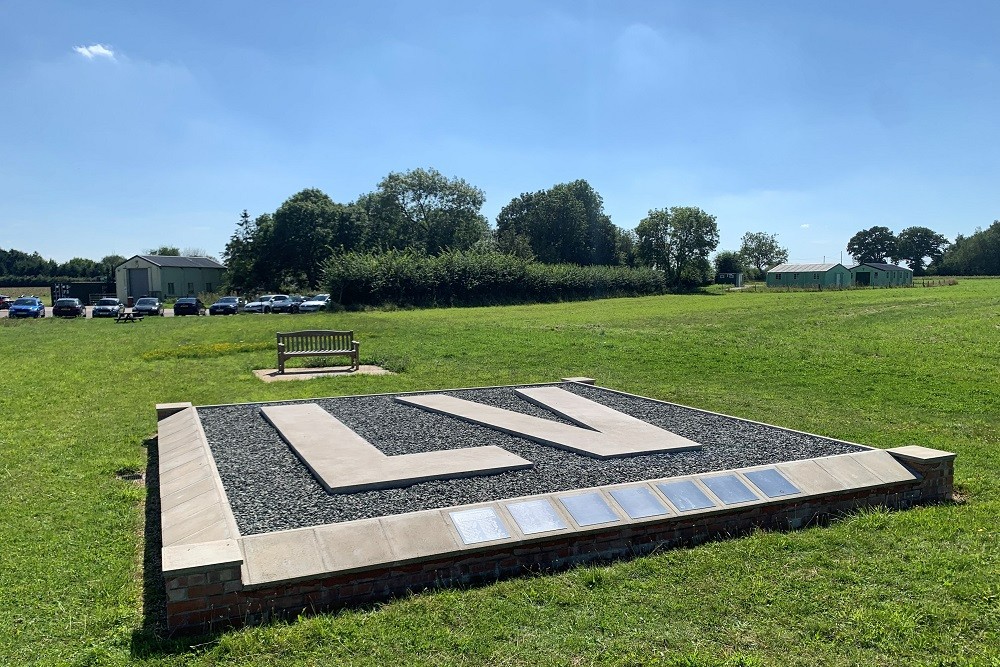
(927,252)
(34,267)
(423,212)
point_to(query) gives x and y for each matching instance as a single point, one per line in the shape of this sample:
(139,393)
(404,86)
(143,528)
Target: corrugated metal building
(809,275)
(875,274)
(166,277)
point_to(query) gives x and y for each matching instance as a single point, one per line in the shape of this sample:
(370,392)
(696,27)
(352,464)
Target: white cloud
(804,226)
(95,51)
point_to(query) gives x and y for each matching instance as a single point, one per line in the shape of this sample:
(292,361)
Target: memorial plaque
(479,525)
(535,516)
(685,496)
(638,502)
(729,489)
(772,483)
(588,509)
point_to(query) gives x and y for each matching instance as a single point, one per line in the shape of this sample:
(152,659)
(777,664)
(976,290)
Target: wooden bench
(319,343)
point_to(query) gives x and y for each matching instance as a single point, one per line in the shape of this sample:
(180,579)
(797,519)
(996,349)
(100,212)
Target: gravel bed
(270,489)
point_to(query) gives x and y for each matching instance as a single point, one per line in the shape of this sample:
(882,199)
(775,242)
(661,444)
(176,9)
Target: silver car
(315,303)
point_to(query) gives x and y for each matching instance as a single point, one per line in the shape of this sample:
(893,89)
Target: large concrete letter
(344,462)
(603,433)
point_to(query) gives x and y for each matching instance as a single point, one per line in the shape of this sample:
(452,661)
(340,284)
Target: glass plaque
(729,489)
(685,496)
(535,516)
(638,502)
(588,509)
(479,525)
(772,483)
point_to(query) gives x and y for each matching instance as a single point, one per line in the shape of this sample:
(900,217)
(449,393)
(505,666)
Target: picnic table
(128,317)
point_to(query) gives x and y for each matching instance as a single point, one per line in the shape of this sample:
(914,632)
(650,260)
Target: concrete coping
(164,410)
(918,454)
(581,380)
(184,559)
(306,553)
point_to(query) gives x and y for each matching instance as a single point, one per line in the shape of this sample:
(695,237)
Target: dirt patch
(272,374)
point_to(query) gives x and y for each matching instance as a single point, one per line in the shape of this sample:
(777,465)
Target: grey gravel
(270,489)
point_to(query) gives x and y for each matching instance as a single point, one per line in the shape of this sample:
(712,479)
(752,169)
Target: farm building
(166,277)
(724,278)
(809,276)
(875,274)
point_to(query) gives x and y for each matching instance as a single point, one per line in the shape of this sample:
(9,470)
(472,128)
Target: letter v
(603,432)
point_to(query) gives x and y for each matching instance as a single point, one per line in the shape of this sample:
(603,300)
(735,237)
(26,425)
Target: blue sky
(128,125)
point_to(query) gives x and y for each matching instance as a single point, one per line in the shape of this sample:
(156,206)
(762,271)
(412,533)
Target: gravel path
(270,489)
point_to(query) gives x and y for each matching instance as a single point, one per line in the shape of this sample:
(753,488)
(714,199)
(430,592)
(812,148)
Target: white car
(317,302)
(263,304)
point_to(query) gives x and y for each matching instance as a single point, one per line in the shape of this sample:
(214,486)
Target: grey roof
(805,268)
(183,262)
(882,267)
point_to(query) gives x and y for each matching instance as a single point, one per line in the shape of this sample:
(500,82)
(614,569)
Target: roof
(805,268)
(882,267)
(183,262)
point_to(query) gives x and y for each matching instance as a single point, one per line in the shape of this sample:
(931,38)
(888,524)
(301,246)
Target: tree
(564,224)
(872,245)
(423,210)
(678,241)
(165,251)
(108,265)
(79,267)
(308,228)
(976,255)
(727,261)
(761,251)
(916,243)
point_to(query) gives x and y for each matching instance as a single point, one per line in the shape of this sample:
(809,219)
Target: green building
(809,276)
(875,274)
(167,277)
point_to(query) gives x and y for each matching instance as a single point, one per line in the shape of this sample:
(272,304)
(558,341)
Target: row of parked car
(31,306)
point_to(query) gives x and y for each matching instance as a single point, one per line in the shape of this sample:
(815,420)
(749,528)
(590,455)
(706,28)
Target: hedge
(406,278)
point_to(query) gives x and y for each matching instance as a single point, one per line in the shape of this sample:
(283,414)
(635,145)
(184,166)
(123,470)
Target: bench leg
(281,365)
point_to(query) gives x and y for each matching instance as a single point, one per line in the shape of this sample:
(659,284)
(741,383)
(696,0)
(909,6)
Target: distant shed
(730,278)
(166,277)
(876,274)
(809,276)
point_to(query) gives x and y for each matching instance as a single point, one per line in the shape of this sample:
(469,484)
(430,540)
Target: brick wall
(216,598)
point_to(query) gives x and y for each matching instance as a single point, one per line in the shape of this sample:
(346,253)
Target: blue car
(27,306)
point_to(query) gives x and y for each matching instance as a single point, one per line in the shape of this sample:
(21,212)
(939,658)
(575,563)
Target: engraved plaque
(772,483)
(638,502)
(588,509)
(685,496)
(729,489)
(535,516)
(479,525)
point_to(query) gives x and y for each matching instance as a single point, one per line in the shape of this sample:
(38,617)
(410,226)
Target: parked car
(289,304)
(5,301)
(27,306)
(108,307)
(227,305)
(148,305)
(312,304)
(262,304)
(189,305)
(69,308)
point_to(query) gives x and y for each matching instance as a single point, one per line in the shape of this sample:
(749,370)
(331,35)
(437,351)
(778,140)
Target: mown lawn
(881,367)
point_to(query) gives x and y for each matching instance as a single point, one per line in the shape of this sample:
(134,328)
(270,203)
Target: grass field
(881,367)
